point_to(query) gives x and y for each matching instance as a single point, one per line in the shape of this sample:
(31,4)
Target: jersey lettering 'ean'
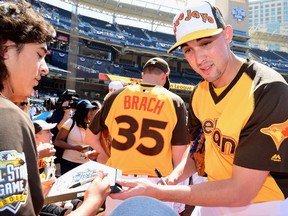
(225,144)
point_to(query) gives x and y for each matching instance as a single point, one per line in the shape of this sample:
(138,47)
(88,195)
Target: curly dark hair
(20,23)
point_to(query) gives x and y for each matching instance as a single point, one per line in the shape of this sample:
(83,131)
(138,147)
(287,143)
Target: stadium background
(102,40)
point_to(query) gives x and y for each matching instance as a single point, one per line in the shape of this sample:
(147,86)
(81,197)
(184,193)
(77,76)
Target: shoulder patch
(13,181)
(278,132)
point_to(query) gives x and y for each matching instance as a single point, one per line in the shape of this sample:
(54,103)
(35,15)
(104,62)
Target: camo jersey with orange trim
(144,121)
(246,125)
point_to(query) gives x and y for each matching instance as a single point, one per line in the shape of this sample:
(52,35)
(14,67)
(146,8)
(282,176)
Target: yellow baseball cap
(198,20)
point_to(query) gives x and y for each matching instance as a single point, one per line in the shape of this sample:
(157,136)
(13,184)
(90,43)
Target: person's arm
(60,141)
(180,135)
(46,185)
(92,155)
(184,169)
(236,191)
(94,196)
(178,153)
(93,140)
(45,150)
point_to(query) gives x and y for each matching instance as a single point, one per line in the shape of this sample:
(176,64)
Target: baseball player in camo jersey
(147,124)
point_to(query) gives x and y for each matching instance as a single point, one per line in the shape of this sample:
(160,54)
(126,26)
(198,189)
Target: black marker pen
(85,181)
(160,176)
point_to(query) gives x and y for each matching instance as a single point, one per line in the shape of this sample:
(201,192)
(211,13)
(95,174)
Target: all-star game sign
(13,180)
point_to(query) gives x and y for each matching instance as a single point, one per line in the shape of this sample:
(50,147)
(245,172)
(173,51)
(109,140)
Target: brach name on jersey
(143,103)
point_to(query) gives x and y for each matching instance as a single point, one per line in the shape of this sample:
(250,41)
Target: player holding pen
(241,105)
(147,124)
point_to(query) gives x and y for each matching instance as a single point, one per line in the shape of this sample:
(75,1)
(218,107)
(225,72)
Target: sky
(167,5)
